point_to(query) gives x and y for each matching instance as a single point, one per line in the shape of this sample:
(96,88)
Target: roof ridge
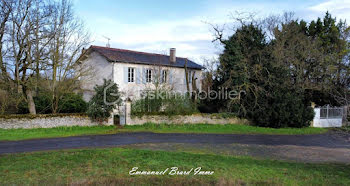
(127,50)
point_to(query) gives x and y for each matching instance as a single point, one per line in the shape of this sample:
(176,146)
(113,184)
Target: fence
(328,116)
(331,112)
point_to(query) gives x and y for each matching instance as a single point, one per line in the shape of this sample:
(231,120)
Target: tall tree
(38,37)
(6,8)
(271,97)
(20,54)
(333,37)
(243,63)
(70,37)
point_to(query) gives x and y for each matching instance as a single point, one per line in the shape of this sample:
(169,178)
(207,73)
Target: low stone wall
(187,119)
(46,122)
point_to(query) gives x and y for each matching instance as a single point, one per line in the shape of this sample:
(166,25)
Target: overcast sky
(157,25)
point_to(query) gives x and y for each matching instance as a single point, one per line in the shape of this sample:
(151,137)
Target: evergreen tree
(100,106)
(334,68)
(303,62)
(271,99)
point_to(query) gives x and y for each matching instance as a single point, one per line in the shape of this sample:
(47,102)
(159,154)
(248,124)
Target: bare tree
(6,8)
(209,73)
(39,36)
(70,37)
(20,55)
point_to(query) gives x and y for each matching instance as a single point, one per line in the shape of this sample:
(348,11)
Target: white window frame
(131,75)
(149,75)
(164,76)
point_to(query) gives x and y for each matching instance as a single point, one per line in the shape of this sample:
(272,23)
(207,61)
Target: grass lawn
(220,129)
(111,167)
(21,134)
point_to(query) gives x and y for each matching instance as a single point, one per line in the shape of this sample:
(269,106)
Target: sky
(157,25)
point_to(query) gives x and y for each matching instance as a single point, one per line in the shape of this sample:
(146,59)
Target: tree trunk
(30,100)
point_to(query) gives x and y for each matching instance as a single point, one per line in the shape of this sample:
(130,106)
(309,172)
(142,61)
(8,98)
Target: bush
(282,109)
(68,103)
(72,103)
(9,101)
(164,103)
(42,102)
(98,110)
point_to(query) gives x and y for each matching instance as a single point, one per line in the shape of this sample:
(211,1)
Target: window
(148,75)
(164,76)
(131,75)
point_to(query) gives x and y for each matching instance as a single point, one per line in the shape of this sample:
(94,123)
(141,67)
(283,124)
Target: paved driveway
(329,140)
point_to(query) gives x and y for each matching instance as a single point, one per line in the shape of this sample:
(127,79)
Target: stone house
(135,71)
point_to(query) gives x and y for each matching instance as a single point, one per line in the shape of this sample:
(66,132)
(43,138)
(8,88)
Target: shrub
(97,108)
(282,109)
(9,101)
(42,101)
(163,102)
(68,103)
(72,103)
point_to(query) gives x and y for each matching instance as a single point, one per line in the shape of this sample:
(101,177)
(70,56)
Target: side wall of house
(99,69)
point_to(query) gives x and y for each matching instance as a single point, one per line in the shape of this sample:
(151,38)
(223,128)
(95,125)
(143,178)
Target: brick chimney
(172,55)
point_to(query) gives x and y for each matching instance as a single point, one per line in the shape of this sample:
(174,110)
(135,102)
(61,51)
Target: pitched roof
(129,56)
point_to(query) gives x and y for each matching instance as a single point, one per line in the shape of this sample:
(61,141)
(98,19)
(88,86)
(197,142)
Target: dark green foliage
(244,49)
(271,99)
(162,102)
(23,108)
(42,102)
(72,103)
(106,98)
(334,45)
(282,108)
(303,62)
(68,103)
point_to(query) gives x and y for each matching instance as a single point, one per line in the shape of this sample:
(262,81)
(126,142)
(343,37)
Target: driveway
(328,140)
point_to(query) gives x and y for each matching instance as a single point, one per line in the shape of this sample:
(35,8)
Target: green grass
(111,167)
(220,129)
(22,134)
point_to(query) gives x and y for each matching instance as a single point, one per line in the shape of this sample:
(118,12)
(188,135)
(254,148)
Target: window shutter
(190,76)
(170,76)
(143,75)
(125,74)
(138,76)
(161,76)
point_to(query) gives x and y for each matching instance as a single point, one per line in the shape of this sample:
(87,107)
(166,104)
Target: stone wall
(186,119)
(47,122)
